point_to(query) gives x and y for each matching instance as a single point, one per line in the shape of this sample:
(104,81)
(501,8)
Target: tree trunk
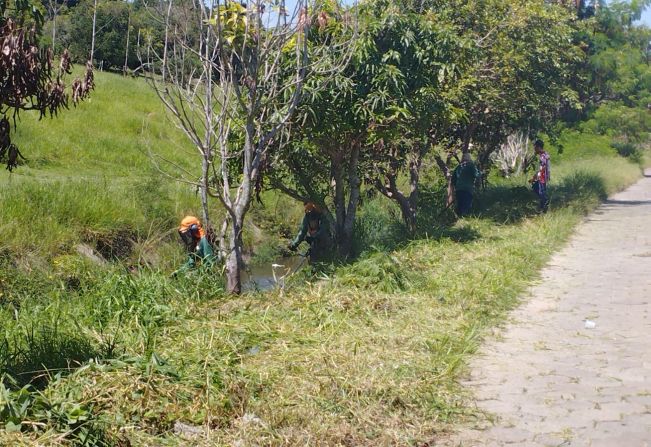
(408,203)
(345,213)
(447,173)
(414,183)
(339,199)
(408,211)
(234,259)
(354,184)
(205,171)
(92,43)
(54,31)
(125,69)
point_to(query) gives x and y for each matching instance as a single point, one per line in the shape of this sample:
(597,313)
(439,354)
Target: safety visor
(186,237)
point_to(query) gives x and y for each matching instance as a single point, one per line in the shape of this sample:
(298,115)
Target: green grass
(370,355)
(109,135)
(90,178)
(574,145)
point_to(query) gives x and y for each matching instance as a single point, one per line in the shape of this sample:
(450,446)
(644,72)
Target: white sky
(646,17)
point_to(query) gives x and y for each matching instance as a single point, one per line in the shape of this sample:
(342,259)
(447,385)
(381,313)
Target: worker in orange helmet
(194,238)
(314,231)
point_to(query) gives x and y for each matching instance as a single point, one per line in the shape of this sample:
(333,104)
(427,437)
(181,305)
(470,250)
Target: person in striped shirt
(541,178)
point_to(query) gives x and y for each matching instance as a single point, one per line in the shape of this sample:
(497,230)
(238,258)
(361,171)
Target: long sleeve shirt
(203,253)
(312,227)
(464,176)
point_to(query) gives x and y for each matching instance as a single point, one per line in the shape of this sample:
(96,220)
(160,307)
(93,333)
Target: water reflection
(269,275)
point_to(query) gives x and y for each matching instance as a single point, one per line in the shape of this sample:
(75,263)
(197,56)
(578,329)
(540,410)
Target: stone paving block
(623,408)
(510,435)
(629,440)
(552,380)
(552,440)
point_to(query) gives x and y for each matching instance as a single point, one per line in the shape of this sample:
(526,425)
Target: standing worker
(463,180)
(313,231)
(194,238)
(541,178)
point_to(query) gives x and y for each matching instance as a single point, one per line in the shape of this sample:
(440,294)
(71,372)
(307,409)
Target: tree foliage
(232,77)
(428,76)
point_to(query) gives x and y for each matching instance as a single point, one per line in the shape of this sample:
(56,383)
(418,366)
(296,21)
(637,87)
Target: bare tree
(125,68)
(92,42)
(54,8)
(233,77)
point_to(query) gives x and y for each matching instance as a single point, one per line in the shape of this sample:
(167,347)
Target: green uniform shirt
(312,228)
(203,253)
(464,176)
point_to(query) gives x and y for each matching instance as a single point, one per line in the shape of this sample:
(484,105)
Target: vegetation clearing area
(369,355)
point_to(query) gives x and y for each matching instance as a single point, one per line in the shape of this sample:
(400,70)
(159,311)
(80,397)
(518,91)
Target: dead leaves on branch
(29,81)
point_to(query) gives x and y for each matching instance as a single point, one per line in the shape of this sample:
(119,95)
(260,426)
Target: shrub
(514,156)
(628,150)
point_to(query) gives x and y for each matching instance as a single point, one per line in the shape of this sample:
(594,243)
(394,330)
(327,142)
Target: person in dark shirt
(463,180)
(314,231)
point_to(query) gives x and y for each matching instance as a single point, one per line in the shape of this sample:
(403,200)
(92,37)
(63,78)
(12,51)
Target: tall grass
(370,356)
(108,135)
(90,178)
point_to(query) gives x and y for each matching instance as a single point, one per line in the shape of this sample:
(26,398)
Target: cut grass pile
(369,356)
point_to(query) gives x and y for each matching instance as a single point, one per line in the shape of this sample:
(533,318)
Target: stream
(269,275)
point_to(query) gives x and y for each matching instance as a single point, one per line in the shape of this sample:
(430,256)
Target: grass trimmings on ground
(368,356)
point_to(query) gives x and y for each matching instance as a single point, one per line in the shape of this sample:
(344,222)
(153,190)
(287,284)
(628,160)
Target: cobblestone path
(550,380)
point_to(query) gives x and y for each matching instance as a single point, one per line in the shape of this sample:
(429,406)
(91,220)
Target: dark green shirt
(464,176)
(312,228)
(203,253)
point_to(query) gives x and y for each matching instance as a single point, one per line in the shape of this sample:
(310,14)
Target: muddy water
(268,276)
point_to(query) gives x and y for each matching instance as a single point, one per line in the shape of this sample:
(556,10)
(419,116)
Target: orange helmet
(188,222)
(311,206)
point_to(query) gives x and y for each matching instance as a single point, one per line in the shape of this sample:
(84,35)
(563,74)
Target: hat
(188,221)
(310,206)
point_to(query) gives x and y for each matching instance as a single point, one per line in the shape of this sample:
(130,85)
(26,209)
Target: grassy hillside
(91,176)
(371,355)
(108,135)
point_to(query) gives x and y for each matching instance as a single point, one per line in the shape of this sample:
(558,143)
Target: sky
(646,17)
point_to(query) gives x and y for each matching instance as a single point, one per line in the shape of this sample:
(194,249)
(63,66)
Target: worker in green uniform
(199,250)
(463,180)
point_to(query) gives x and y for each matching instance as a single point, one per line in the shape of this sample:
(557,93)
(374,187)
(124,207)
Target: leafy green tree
(520,75)
(112,22)
(372,119)
(429,75)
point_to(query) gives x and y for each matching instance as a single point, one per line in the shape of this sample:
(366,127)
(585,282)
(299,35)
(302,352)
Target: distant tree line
(120,28)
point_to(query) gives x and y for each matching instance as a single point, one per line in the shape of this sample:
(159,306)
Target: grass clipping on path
(371,357)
